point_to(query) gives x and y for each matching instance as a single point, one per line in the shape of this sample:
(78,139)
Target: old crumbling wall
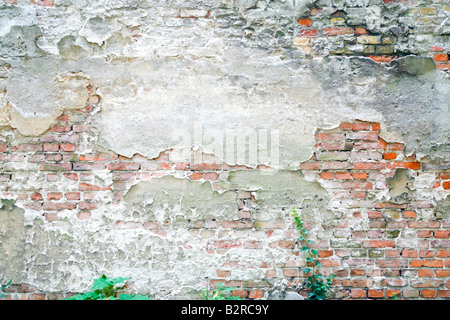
(167,141)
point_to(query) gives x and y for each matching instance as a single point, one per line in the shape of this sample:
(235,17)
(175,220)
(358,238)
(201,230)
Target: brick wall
(403,243)
(384,41)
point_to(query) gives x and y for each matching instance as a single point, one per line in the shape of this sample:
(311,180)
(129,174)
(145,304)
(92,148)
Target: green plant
(105,288)
(2,295)
(318,284)
(219,293)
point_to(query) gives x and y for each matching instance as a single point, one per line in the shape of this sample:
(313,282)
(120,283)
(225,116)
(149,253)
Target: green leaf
(306,270)
(304,248)
(314,251)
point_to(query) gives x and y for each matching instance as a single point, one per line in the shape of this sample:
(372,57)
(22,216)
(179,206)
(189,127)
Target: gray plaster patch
(12,238)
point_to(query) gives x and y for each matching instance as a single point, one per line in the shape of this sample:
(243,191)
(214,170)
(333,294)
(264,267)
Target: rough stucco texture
(167,141)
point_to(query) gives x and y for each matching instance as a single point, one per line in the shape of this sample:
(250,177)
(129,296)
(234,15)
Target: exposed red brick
(309,32)
(440,57)
(123,166)
(337,31)
(360,31)
(305,22)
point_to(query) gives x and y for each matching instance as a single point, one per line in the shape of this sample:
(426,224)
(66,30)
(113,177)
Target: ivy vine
(318,284)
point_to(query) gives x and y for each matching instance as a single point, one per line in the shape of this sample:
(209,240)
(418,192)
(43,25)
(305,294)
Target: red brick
(123,166)
(63,118)
(305,22)
(256,294)
(330,136)
(442,66)
(443,273)
(68,147)
(356,283)
(309,32)
(36,296)
(436,48)
(343,175)
(240,293)
(410,165)
(409,214)
(210,176)
(87,206)
(409,253)
(290,273)
(390,293)
(36,197)
(195,176)
(389,156)
(310,166)
(375,215)
(60,129)
(238,224)
(424,233)
(327,175)
(71,176)
(44,3)
(361,185)
(82,166)
(381,205)
(396,146)
(440,57)
(226,244)
(55,166)
(81,128)
(55,206)
(361,30)
(54,196)
(359,175)
(73,196)
(376,58)
(431,263)
(426,253)
(332,145)
(378,243)
(358,194)
(335,165)
(337,31)
(446,185)
(444,234)
(361,145)
(253,244)
(426,273)
(363,135)
(51,147)
(444,293)
(443,175)
(358,293)
(443,253)
(91,187)
(89,157)
(369,165)
(373,293)
(282,244)
(428,293)
(205,166)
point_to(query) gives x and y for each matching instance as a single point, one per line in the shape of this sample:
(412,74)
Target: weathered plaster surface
(187,78)
(139,54)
